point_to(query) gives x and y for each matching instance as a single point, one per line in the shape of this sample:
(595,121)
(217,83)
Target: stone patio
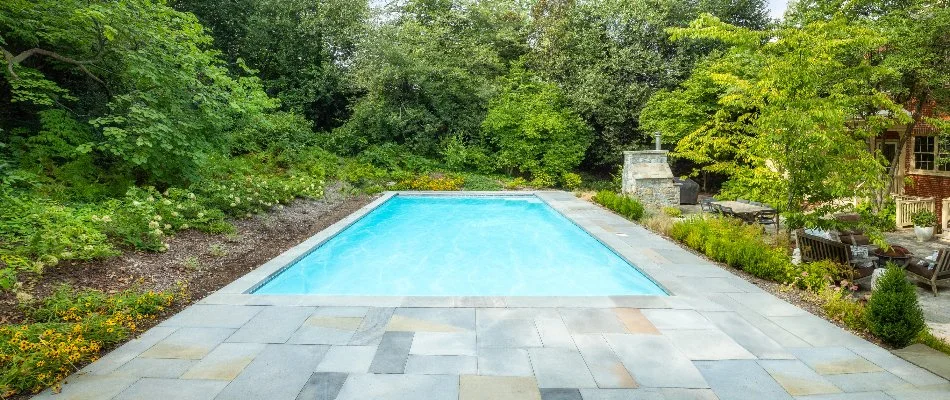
(715,336)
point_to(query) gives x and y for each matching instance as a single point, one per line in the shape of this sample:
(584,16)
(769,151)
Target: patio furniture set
(750,212)
(853,251)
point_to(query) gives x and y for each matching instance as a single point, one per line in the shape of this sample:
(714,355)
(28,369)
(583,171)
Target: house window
(927,154)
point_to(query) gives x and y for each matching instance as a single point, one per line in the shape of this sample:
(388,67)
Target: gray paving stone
(400,387)
(473,387)
(503,361)
(392,353)
(936,392)
(88,387)
(433,319)
(848,396)
(740,379)
(870,381)
(591,320)
(213,316)
(707,344)
(677,319)
(373,327)
(768,327)
(928,358)
(162,389)
(608,371)
(818,332)
(712,285)
(560,394)
(491,315)
(797,378)
(899,367)
(480,301)
(308,334)
(441,365)
(443,344)
(272,325)
(155,367)
(322,386)
(349,359)
(766,304)
(560,368)
(128,351)
(280,371)
(554,333)
(834,360)
(648,394)
(352,312)
(225,362)
(748,336)
(188,343)
(508,333)
(654,362)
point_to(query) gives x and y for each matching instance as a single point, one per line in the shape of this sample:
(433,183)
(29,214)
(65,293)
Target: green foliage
(883,220)
(533,130)
(481,182)
(571,181)
(924,218)
(893,313)
(626,206)
(815,276)
(68,329)
(840,306)
(927,338)
(674,212)
(736,244)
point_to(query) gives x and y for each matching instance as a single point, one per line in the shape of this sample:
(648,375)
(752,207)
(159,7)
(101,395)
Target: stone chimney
(647,176)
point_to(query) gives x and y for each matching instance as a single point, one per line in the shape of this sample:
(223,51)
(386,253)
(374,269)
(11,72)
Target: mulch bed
(204,262)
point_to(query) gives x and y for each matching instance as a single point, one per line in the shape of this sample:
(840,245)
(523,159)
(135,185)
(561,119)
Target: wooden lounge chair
(940,271)
(816,248)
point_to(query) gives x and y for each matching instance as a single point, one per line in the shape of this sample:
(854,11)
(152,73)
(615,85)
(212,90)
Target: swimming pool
(418,245)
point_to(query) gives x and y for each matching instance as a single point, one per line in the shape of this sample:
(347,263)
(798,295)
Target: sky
(777,8)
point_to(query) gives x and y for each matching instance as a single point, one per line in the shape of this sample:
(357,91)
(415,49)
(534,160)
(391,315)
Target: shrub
(841,306)
(571,181)
(924,218)
(481,182)
(674,212)
(738,245)
(814,276)
(628,207)
(893,313)
(516,183)
(432,182)
(70,329)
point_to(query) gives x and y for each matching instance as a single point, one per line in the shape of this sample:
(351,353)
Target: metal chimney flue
(658,135)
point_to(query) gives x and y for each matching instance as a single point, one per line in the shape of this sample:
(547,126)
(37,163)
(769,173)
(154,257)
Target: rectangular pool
(462,246)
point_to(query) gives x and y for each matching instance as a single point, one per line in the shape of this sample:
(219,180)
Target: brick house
(919,174)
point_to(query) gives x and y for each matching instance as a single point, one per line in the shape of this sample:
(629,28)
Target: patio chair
(767,217)
(815,248)
(706,205)
(939,272)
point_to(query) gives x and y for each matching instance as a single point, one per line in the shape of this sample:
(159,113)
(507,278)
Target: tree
(778,110)
(533,129)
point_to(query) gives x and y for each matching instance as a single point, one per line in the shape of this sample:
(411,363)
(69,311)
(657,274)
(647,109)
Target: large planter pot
(923,233)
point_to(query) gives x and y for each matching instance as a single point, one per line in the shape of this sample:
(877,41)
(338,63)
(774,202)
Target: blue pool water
(462,246)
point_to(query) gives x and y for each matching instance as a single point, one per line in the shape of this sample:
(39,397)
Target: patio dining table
(745,211)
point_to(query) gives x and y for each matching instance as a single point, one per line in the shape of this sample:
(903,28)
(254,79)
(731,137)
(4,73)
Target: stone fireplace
(647,176)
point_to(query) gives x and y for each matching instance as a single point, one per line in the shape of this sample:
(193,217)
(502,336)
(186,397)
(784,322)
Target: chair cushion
(920,267)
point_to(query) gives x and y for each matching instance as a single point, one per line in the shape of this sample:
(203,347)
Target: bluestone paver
(848,396)
(504,361)
(279,372)
(89,387)
(560,368)
(560,394)
(635,322)
(213,316)
(748,336)
(392,353)
(400,387)
(834,360)
(352,312)
(591,320)
(432,320)
(924,356)
(740,380)
(163,389)
(349,359)
(155,367)
(818,332)
(188,343)
(326,330)
(898,366)
(554,333)
(869,381)
(443,344)
(602,363)
(128,351)
(374,325)
(797,378)
(225,362)
(272,325)
(646,393)
(473,387)
(677,319)
(766,304)
(508,333)
(654,362)
(707,344)
(322,386)
(442,365)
